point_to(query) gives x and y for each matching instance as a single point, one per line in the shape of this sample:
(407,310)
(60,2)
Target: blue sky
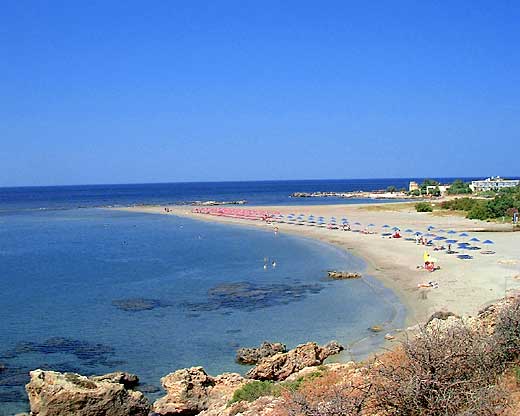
(128,91)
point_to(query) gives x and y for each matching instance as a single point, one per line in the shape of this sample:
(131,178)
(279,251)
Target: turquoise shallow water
(62,271)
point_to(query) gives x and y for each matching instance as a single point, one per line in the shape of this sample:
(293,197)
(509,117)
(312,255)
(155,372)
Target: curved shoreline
(464,286)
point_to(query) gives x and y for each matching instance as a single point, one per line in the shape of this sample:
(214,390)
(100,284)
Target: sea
(92,290)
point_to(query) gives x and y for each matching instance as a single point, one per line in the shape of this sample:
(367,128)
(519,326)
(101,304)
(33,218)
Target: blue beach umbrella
(441,231)
(371,225)
(474,240)
(439,238)
(430,227)
(451,241)
(463,235)
(386,226)
(452,232)
(408,231)
(488,242)
(418,233)
(429,235)
(357,223)
(396,228)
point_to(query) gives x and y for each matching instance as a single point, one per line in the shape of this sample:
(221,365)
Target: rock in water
(333,274)
(190,391)
(60,394)
(282,365)
(253,355)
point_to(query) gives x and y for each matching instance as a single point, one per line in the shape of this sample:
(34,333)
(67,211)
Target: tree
(426,183)
(458,187)
(436,191)
(391,189)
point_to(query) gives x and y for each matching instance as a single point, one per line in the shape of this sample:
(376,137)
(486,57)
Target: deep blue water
(65,273)
(256,193)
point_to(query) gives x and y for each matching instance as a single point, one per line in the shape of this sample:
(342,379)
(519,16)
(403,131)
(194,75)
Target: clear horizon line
(243,181)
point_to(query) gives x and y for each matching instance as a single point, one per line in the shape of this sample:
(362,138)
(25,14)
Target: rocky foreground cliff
(452,365)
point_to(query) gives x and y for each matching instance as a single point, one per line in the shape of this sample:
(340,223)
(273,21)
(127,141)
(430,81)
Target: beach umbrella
(430,227)
(439,238)
(451,241)
(418,233)
(475,240)
(396,228)
(386,226)
(441,231)
(408,231)
(488,242)
(429,235)
(357,223)
(463,235)
(452,232)
(371,225)
(344,221)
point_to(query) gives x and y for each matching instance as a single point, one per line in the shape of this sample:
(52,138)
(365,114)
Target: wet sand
(464,286)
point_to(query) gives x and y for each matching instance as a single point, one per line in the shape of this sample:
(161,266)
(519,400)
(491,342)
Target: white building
(493,184)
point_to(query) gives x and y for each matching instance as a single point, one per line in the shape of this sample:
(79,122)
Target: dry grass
(389,207)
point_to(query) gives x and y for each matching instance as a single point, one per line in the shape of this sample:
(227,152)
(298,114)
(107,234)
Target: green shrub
(459,204)
(295,385)
(479,212)
(459,187)
(255,389)
(423,207)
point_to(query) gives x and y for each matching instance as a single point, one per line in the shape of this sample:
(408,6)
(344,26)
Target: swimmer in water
(265,266)
(273,264)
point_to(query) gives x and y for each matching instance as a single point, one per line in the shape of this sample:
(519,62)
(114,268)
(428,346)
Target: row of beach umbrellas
(320,220)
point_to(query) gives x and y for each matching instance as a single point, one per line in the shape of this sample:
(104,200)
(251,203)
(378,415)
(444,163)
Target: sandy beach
(464,286)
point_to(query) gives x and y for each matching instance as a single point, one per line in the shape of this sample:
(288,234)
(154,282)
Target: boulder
(282,365)
(191,390)
(254,355)
(59,394)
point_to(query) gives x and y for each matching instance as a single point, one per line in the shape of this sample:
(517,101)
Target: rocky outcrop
(126,379)
(254,355)
(263,406)
(343,275)
(282,365)
(191,390)
(59,394)
(443,315)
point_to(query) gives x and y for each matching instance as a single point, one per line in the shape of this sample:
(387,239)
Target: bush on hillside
(423,207)
(507,331)
(442,372)
(255,389)
(329,395)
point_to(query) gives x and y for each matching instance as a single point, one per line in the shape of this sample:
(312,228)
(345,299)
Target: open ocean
(71,272)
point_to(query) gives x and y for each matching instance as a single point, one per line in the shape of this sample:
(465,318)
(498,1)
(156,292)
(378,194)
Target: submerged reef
(139,304)
(90,356)
(252,296)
